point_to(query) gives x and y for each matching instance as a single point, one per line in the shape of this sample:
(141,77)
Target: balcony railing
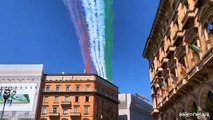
(180,51)
(179,34)
(190,34)
(54,114)
(164,61)
(75,114)
(66,114)
(159,70)
(45,103)
(189,14)
(171,49)
(65,103)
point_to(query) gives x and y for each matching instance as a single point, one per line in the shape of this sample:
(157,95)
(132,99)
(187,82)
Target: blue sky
(41,31)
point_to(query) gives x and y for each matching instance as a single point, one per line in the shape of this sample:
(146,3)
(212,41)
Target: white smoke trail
(95,19)
(101,33)
(90,18)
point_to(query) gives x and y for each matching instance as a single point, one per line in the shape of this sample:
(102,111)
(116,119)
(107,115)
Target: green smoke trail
(109,37)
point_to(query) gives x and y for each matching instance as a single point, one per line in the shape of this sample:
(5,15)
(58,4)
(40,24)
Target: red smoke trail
(77,14)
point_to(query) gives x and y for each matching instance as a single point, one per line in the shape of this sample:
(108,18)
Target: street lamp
(7,93)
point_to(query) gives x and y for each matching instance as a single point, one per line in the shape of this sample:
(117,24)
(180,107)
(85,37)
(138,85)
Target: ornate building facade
(180,53)
(78,97)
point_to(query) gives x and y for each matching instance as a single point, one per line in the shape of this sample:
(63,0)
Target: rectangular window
(13,113)
(55,109)
(56,99)
(87,99)
(67,88)
(76,98)
(48,89)
(65,112)
(67,98)
(75,108)
(77,88)
(86,109)
(45,98)
(44,110)
(57,88)
(87,87)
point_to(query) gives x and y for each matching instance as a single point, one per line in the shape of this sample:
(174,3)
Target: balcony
(44,114)
(189,14)
(45,103)
(51,91)
(66,103)
(171,49)
(54,114)
(164,61)
(66,114)
(190,34)
(180,51)
(56,103)
(159,70)
(75,114)
(179,34)
(171,63)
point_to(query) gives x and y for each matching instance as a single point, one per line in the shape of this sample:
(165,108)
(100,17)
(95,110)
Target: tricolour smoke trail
(96,35)
(77,14)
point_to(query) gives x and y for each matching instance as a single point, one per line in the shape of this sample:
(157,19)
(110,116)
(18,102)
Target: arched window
(183,118)
(172,116)
(210,96)
(195,110)
(209,104)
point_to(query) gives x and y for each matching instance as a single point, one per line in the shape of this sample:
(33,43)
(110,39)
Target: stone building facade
(78,97)
(134,107)
(180,53)
(26,81)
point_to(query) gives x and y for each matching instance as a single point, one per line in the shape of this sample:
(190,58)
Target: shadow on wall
(122,117)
